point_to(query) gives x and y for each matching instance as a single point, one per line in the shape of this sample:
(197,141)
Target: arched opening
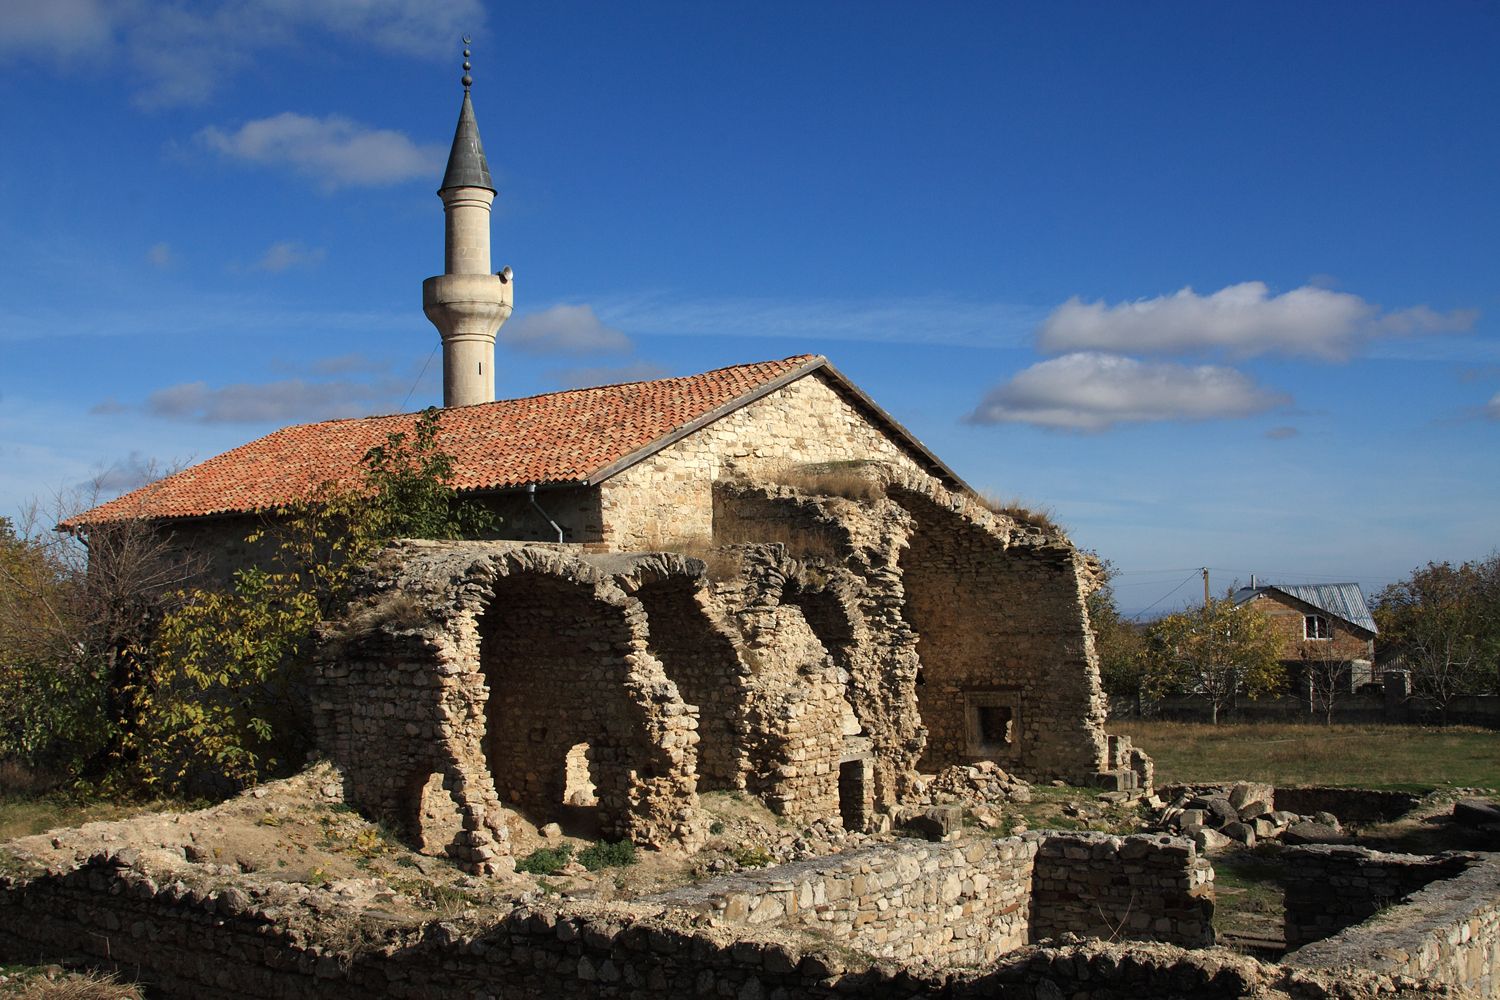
(700,658)
(562,736)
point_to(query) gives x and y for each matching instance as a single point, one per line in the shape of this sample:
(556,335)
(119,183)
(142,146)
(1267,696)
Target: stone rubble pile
(1244,814)
(981,783)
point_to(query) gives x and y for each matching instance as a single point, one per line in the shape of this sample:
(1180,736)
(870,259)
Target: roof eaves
(619,465)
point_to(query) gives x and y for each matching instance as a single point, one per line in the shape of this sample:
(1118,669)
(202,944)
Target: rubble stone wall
(964,903)
(1155,888)
(1008,668)
(239,937)
(1448,930)
(971,901)
(1329,887)
(1350,805)
(668,498)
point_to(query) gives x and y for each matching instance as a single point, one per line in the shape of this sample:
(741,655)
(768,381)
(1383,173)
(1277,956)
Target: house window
(1314,627)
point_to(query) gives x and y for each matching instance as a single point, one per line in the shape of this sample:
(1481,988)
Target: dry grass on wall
(1022,511)
(850,480)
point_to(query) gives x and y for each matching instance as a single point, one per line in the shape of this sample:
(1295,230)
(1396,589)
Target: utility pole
(1205,590)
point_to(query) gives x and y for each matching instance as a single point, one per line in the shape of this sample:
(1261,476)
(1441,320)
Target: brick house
(1321,622)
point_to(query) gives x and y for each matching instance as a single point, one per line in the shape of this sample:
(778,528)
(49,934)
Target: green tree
(225,704)
(1444,621)
(72,616)
(1217,653)
(1118,641)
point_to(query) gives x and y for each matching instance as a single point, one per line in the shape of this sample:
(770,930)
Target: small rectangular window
(994,724)
(1314,627)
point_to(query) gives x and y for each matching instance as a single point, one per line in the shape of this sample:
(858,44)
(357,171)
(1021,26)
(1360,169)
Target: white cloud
(334,151)
(1092,392)
(58,29)
(180,54)
(1492,410)
(1244,319)
(562,329)
(587,376)
(160,255)
(286,254)
(284,401)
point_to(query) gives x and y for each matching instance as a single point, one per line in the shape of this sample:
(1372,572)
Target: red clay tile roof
(579,436)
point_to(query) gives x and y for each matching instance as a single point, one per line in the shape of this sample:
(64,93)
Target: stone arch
(556,679)
(698,653)
(563,653)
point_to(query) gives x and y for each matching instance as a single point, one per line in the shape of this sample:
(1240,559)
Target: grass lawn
(1407,758)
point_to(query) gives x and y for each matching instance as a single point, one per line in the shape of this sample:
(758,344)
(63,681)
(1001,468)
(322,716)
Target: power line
(1168,594)
(419,377)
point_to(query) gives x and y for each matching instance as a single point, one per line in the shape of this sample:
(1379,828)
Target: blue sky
(1217,284)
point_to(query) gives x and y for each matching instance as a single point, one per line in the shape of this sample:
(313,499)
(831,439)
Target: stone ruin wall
(472,678)
(972,901)
(1331,887)
(1434,918)
(240,937)
(425,678)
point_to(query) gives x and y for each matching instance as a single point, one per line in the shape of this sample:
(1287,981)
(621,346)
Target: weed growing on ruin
(850,480)
(751,856)
(1019,510)
(607,854)
(546,860)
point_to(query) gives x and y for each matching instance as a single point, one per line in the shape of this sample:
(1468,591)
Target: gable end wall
(668,498)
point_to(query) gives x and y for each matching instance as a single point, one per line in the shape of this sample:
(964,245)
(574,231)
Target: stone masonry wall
(1448,931)
(1155,888)
(1008,666)
(486,663)
(964,903)
(668,498)
(1331,887)
(971,901)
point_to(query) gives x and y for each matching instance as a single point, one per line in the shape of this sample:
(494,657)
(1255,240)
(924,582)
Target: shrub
(546,860)
(751,856)
(605,854)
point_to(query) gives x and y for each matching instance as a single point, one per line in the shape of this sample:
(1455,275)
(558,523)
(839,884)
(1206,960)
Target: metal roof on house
(579,437)
(1342,600)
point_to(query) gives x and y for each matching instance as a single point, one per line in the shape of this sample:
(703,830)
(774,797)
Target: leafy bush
(605,854)
(546,860)
(751,856)
(222,698)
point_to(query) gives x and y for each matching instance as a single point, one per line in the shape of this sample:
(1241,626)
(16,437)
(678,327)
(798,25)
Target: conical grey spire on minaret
(467,303)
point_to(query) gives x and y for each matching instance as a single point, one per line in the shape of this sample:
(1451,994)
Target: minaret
(467,303)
